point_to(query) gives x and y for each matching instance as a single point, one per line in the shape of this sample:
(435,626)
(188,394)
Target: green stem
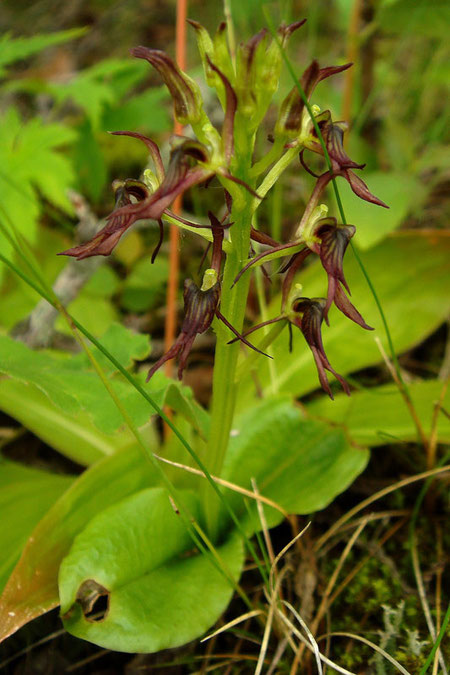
(232,306)
(273,175)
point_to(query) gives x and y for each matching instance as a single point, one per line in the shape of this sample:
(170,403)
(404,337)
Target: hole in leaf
(94,600)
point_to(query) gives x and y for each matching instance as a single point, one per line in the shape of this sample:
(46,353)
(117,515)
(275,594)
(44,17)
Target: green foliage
(423,17)
(73,386)
(73,435)
(144,285)
(25,496)
(401,192)
(160,593)
(16,49)
(299,464)
(32,164)
(379,415)
(113,534)
(32,588)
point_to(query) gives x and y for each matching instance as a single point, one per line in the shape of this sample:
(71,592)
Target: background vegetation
(376,573)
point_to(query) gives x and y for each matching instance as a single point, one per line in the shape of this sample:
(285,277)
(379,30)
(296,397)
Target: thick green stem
(232,306)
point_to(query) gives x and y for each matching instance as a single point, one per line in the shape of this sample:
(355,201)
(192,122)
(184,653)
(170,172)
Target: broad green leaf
(15,49)
(300,464)
(410,272)
(25,496)
(32,588)
(73,388)
(160,593)
(401,192)
(74,436)
(379,415)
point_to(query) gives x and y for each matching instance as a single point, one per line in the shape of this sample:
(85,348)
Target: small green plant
(144,550)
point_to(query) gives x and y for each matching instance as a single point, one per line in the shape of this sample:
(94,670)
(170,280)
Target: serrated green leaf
(300,464)
(15,49)
(30,165)
(32,588)
(26,494)
(410,272)
(379,415)
(158,598)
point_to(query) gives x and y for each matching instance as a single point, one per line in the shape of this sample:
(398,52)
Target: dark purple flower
(201,305)
(199,311)
(333,242)
(308,314)
(181,175)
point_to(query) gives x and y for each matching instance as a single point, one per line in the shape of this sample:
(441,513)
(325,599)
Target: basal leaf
(32,588)
(74,436)
(74,387)
(379,415)
(300,464)
(411,273)
(26,494)
(138,555)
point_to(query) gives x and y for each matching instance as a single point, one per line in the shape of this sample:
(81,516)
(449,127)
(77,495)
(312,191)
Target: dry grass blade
(234,622)
(284,551)
(265,641)
(370,500)
(225,483)
(303,640)
(312,640)
(370,644)
(324,604)
(423,599)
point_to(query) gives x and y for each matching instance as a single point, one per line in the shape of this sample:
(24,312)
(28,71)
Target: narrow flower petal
(230,111)
(360,188)
(343,303)
(152,148)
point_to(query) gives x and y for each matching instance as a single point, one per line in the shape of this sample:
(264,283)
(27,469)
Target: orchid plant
(245,83)
(245,89)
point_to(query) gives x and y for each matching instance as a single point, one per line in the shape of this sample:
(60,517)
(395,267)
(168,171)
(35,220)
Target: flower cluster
(245,87)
